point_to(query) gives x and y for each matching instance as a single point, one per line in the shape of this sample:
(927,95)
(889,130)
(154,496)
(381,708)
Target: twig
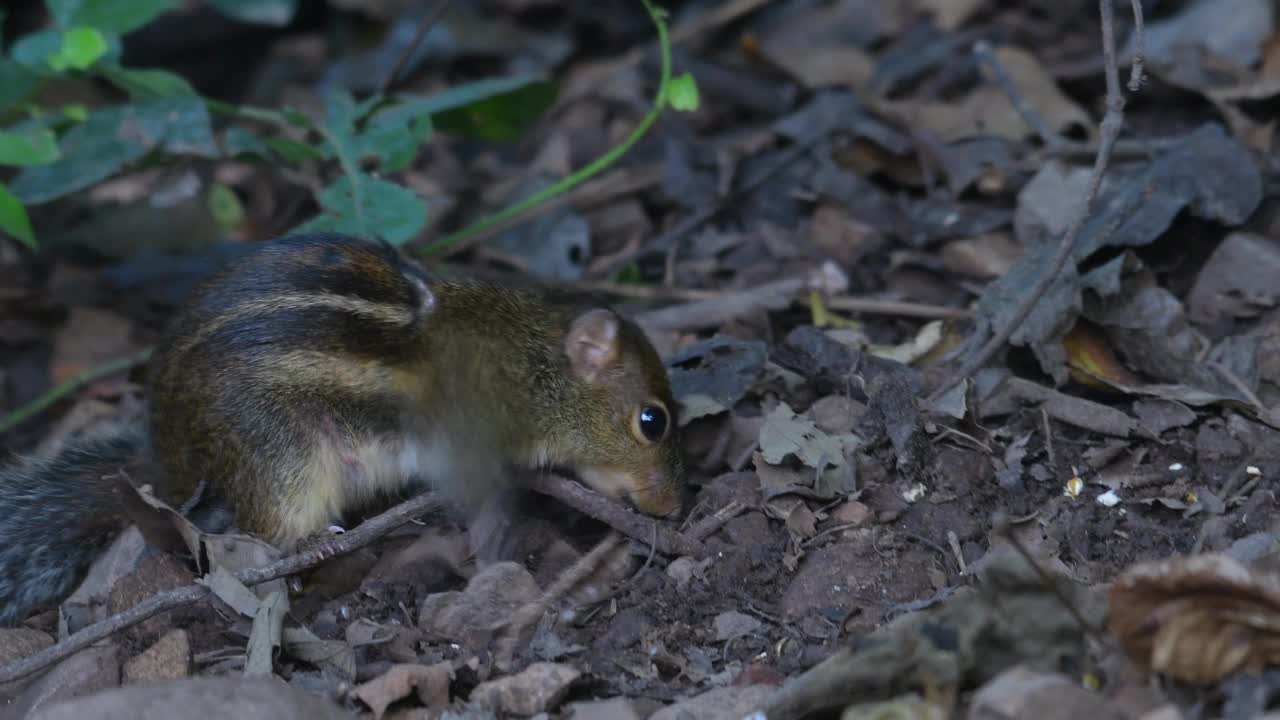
(849,303)
(1004,528)
(1135,70)
(716,520)
(511,629)
(826,279)
(360,536)
(71,385)
(696,220)
(424,27)
(1111,124)
(629,523)
(982,49)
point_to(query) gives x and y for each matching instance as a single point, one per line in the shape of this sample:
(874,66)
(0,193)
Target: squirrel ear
(592,343)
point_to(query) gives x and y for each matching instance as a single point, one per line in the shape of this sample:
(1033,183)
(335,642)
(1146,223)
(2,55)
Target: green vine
(660,102)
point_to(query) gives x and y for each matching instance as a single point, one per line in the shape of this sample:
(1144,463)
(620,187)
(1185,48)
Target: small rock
(490,597)
(684,569)
(612,709)
(836,414)
(156,574)
(169,658)
(722,702)
(538,689)
(220,698)
(852,513)
(1020,692)
(734,624)
(86,672)
(15,644)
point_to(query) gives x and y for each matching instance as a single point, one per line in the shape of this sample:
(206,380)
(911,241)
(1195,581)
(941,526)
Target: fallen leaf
(429,682)
(265,635)
(785,434)
(1198,619)
(987,111)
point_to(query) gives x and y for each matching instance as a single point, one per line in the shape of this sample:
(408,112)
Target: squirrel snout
(659,497)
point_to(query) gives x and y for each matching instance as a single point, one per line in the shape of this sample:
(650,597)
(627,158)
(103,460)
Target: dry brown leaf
(90,338)
(1198,619)
(1090,358)
(987,110)
(430,682)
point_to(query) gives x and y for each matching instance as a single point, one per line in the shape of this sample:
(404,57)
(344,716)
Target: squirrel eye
(652,422)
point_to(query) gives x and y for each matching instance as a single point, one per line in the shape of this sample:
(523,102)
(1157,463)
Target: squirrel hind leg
(57,515)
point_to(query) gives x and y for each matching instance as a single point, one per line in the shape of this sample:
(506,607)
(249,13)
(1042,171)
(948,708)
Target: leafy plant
(60,152)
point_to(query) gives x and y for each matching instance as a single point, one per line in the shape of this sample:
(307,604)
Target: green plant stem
(599,164)
(69,386)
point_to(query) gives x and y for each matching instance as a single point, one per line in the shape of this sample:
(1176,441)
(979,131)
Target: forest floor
(1085,527)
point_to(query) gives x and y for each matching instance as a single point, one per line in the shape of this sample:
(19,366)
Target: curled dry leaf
(1198,619)
(429,682)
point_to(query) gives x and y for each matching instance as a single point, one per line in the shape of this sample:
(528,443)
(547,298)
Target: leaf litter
(931,155)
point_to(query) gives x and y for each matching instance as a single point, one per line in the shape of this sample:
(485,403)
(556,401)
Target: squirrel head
(628,444)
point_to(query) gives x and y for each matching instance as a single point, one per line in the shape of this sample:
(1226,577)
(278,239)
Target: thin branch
(424,27)
(631,524)
(698,218)
(1135,70)
(982,50)
(1111,124)
(360,536)
(72,385)
(850,303)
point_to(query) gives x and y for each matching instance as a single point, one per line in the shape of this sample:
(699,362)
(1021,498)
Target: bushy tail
(57,514)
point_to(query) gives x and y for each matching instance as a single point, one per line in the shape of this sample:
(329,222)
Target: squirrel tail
(57,514)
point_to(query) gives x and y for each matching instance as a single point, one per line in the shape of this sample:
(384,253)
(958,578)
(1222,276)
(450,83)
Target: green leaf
(13,218)
(682,93)
(36,146)
(147,84)
(81,48)
(258,12)
(292,150)
(394,136)
(76,112)
(113,137)
(238,141)
(116,17)
(393,212)
(16,84)
(493,115)
(225,206)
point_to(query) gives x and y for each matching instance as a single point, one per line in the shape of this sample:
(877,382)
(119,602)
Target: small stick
(708,525)
(360,536)
(1112,121)
(1004,528)
(71,385)
(849,303)
(529,613)
(1135,71)
(629,523)
(696,220)
(424,27)
(982,49)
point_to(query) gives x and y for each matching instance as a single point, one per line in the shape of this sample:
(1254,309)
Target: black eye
(653,422)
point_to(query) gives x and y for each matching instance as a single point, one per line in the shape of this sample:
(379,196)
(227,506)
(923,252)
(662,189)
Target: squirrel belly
(57,514)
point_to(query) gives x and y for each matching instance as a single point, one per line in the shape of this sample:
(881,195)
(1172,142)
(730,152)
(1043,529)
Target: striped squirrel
(318,374)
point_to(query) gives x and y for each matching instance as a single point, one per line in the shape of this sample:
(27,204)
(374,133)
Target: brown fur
(315,376)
